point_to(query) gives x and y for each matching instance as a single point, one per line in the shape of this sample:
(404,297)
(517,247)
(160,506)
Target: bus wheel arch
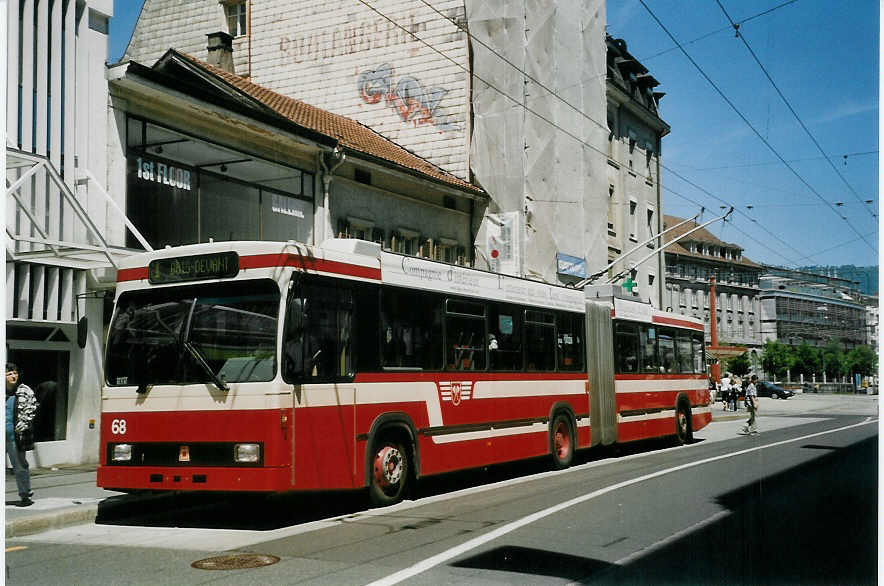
(562,436)
(684,428)
(391,459)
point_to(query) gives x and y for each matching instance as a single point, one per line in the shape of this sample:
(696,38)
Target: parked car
(766,389)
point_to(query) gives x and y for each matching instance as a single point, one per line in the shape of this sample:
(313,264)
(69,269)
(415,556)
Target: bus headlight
(249,453)
(122,453)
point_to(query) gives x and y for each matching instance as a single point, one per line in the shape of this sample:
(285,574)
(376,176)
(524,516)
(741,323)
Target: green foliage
(862,360)
(776,359)
(740,365)
(832,358)
(805,360)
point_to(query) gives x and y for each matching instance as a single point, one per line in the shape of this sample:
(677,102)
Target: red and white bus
(263,366)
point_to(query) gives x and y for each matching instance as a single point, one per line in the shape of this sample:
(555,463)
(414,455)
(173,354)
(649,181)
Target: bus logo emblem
(456,391)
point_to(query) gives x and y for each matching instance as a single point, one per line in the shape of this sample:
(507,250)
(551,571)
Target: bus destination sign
(218,265)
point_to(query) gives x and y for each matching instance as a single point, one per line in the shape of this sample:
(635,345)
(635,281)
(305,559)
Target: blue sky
(823,57)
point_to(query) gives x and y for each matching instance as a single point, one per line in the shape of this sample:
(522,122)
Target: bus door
(318,362)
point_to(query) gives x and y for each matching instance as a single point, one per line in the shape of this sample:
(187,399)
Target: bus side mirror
(82,331)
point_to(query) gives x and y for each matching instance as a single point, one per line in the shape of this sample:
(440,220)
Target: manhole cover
(240,561)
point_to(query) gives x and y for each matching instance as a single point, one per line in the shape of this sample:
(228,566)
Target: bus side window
(666,349)
(540,340)
(504,338)
(685,354)
(410,329)
(318,331)
(699,357)
(465,335)
(626,348)
(648,337)
(570,341)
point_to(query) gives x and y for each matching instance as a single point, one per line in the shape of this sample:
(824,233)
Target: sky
(780,122)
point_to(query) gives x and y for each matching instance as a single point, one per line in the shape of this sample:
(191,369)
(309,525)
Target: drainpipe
(329,161)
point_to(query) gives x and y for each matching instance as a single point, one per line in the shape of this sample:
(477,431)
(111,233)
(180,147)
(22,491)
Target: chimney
(220,46)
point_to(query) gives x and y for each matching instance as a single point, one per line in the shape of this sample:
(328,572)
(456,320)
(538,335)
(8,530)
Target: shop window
(47,373)
(228,210)
(285,218)
(236,14)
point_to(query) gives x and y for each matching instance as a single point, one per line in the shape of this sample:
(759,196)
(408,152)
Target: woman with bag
(21,407)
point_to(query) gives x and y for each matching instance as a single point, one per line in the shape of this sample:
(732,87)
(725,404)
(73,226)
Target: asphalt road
(794,504)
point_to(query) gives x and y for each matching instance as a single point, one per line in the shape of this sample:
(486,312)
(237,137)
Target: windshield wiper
(201,361)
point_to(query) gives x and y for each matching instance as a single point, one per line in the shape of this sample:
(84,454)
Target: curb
(51,520)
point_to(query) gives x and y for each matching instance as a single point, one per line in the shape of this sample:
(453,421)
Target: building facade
(176,153)
(691,262)
(522,99)
(58,211)
(635,200)
(799,307)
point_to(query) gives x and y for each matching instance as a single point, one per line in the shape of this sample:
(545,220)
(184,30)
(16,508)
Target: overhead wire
(557,96)
(716,31)
(746,121)
(769,163)
(523,105)
(789,105)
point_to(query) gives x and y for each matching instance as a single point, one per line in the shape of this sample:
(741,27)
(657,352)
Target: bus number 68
(118,427)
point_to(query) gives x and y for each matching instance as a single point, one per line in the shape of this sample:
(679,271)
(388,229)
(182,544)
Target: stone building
(635,200)
(800,307)
(691,262)
(513,97)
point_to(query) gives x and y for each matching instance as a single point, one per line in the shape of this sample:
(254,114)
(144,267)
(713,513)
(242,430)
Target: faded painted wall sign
(406,96)
(348,39)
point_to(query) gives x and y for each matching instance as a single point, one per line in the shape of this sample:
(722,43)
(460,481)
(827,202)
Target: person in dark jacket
(21,407)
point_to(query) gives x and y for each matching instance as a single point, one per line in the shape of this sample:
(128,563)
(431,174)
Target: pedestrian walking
(21,407)
(726,390)
(752,406)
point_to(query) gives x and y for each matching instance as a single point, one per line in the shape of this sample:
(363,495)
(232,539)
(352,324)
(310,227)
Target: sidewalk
(62,496)
(67,496)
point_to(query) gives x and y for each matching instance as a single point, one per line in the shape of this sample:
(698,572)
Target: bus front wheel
(562,441)
(389,474)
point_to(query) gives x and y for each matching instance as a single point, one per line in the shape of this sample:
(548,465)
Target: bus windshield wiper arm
(201,360)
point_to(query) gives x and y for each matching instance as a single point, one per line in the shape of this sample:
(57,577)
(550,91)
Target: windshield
(196,334)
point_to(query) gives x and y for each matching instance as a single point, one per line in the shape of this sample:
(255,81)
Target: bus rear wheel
(683,432)
(389,473)
(562,441)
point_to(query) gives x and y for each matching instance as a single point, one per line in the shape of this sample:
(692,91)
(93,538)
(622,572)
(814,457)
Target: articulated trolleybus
(275,367)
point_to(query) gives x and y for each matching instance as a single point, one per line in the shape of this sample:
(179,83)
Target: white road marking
(454,552)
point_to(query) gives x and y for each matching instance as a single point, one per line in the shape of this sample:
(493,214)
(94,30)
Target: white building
(57,215)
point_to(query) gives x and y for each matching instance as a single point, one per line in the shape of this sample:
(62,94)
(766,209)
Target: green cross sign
(629,284)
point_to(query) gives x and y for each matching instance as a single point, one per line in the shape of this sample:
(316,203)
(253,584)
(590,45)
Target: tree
(776,359)
(739,365)
(833,359)
(862,360)
(805,360)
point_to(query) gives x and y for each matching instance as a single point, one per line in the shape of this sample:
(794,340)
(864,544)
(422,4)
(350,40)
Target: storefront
(182,190)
